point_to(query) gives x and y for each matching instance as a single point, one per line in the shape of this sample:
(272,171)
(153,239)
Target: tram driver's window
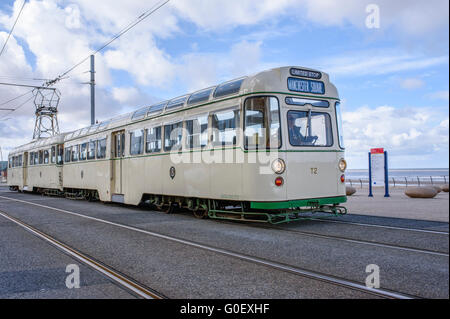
(224,127)
(309,128)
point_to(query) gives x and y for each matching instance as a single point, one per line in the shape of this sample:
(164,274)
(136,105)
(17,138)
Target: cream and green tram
(266,147)
(37,166)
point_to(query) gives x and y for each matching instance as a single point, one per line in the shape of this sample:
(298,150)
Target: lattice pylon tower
(46,101)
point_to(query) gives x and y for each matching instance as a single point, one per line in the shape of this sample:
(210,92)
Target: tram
(266,147)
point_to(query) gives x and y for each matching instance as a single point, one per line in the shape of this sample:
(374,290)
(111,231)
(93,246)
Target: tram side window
(137,142)
(41,157)
(36,158)
(59,159)
(75,153)
(67,154)
(101,149)
(309,128)
(53,156)
(173,135)
(262,123)
(197,132)
(83,152)
(46,156)
(91,150)
(154,140)
(20,160)
(31,158)
(224,125)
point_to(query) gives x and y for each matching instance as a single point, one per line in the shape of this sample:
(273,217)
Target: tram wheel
(169,209)
(200,214)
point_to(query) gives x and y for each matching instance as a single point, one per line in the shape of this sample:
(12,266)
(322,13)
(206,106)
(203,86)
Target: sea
(423,174)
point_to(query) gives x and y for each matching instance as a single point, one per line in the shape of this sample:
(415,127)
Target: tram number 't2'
(314,171)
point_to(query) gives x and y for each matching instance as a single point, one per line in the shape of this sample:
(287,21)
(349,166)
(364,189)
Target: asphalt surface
(180,271)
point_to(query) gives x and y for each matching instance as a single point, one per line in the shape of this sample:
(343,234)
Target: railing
(404,181)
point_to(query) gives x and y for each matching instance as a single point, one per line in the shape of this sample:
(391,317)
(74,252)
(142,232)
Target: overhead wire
(48,83)
(141,18)
(12,29)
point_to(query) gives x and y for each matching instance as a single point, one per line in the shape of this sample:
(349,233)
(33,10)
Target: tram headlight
(278,166)
(342,165)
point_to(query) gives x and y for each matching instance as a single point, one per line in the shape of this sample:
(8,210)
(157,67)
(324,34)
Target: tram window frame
(137,143)
(191,134)
(91,150)
(101,150)
(229,88)
(200,96)
(158,140)
(53,155)
(176,103)
(60,155)
(267,119)
(339,125)
(68,154)
(41,157)
(215,130)
(75,153)
(46,157)
(83,151)
(329,130)
(290,100)
(169,147)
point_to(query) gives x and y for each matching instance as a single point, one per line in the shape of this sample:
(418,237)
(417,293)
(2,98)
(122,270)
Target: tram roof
(273,80)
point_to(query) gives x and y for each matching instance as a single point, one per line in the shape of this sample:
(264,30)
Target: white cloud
(412,83)
(402,131)
(60,32)
(439,95)
(378,62)
(125,95)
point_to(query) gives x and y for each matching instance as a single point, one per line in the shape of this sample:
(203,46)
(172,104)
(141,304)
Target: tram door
(25,169)
(118,148)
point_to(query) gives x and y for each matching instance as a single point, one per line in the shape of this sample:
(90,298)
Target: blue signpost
(378,170)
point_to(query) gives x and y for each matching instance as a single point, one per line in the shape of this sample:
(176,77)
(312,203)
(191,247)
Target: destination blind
(306,86)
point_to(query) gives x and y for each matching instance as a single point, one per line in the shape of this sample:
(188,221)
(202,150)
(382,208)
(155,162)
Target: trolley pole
(92,83)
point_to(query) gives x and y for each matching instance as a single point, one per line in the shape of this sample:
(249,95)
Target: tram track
(384,226)
(360,241)
(383,293)
(117,277)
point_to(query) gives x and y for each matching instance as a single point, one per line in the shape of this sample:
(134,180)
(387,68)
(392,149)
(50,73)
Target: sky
(392,73)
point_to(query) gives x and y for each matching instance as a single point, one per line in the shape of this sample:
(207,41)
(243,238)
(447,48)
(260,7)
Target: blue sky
(393,80)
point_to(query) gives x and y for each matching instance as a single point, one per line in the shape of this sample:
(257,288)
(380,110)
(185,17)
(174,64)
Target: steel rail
(256,260)
(120,279)
(384,226)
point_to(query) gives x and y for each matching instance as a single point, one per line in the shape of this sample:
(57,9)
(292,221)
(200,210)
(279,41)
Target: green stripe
(299,203)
